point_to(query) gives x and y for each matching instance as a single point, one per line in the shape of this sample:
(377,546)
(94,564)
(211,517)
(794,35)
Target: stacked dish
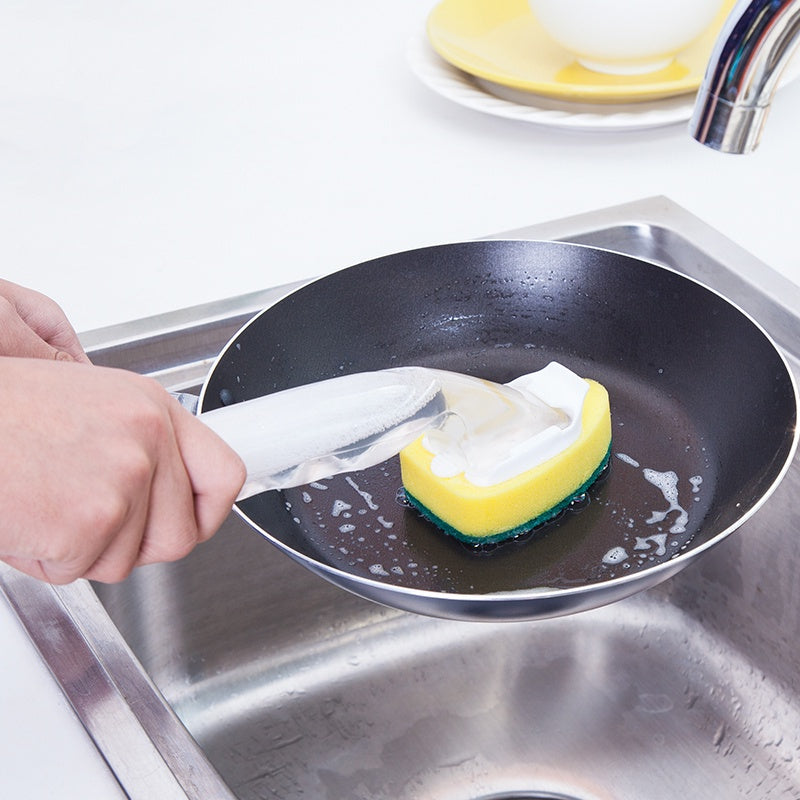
(494,56)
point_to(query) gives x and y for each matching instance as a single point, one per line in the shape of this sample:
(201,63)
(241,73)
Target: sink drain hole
(527,796)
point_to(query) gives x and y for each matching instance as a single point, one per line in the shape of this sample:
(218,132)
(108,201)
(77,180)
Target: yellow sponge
(482,514)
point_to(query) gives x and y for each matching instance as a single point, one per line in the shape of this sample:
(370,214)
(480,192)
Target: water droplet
(339,506)
(615,555)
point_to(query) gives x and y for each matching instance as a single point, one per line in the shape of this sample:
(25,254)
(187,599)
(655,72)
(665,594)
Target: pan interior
(703,407)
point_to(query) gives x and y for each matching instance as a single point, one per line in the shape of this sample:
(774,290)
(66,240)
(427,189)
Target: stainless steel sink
(236,673)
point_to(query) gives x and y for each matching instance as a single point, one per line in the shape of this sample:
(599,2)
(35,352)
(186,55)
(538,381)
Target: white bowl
(625,37)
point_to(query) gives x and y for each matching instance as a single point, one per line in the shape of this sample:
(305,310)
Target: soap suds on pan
(651,545)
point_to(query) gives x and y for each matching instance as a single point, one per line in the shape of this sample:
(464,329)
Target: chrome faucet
(755,44)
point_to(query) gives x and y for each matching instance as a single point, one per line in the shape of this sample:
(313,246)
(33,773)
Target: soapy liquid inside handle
(486,422)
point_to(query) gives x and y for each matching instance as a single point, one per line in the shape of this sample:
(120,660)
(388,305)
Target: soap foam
(657,544)
(667,482)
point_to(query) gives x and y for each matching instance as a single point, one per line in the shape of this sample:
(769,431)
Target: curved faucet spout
(753,48)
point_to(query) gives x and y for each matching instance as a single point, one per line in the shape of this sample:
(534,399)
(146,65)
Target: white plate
(501,101)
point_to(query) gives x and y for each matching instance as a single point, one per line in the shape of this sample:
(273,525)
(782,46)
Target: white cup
(625,37)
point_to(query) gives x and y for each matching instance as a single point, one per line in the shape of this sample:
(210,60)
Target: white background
(155,155)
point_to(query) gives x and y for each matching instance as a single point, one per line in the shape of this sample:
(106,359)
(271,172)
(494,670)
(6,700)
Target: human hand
(34,326)
(101,470)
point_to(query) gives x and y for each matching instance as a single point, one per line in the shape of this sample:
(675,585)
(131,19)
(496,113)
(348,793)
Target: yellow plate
(501,41)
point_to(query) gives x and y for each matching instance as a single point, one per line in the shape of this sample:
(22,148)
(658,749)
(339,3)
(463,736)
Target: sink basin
(294,689)
(235,673)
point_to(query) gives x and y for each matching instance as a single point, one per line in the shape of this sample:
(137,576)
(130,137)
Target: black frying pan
(702,403)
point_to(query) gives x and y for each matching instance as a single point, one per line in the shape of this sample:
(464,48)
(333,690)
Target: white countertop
(162,154)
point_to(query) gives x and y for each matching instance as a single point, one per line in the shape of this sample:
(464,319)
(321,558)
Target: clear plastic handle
(310,432)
